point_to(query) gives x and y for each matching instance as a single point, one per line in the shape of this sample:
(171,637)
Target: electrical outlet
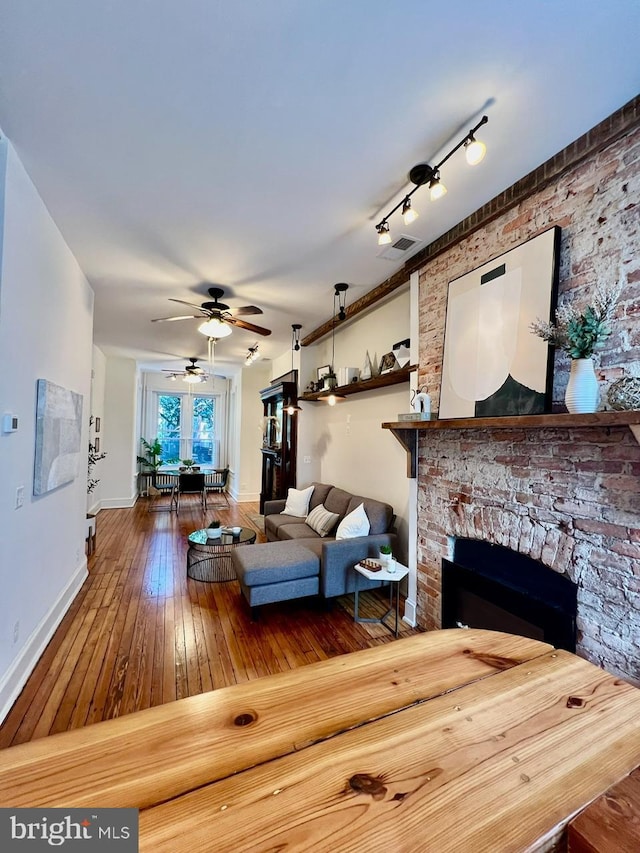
(16,632)
(19,496)
(307,460)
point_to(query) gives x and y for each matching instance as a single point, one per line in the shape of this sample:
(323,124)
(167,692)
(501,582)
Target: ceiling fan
(191,373)
(217,317)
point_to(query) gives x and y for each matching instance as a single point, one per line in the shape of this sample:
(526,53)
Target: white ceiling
(254,144)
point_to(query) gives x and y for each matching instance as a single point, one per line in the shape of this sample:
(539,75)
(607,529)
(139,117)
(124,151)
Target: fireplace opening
(490,586)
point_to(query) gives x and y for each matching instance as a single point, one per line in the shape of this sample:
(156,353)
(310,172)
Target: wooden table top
(455,740)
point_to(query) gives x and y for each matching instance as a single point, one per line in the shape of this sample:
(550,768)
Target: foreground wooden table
(457,740)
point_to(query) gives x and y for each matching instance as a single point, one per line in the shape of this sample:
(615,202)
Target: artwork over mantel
(493,365)
(58,437)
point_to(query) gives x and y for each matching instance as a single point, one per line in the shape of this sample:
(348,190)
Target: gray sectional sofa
(295,561)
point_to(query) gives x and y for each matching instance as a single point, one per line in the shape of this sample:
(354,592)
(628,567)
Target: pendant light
(292,405)
(330,397)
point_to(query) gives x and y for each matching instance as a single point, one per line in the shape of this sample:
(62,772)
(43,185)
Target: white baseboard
(409,612)
(16,676)
(119,503)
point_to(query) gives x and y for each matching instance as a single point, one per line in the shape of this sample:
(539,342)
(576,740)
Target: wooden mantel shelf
(407,431)
(394,377)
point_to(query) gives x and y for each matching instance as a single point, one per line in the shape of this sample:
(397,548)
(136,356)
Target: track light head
(384,237)
(474,150)
(436,188)
(408,213)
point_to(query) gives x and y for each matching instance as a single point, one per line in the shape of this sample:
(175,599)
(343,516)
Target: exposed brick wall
(569,498)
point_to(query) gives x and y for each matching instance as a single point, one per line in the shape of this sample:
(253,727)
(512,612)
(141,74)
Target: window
(186,428)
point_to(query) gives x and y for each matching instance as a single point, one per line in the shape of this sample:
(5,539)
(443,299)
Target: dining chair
(189,484)
(216,481)
(165,485)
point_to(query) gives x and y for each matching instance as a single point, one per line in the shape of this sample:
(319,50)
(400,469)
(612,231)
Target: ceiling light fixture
(423,173)
(192,378)
(408,213)
(330,396)
(292,405)
(340,296)
(214,328)
(252,355)
(384,236)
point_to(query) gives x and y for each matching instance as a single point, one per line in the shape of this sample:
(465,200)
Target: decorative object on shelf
(401,351)
(624,394)
(418,416)
(421,402)
(580,332)
(366,372)
(582,394)
(491,367)
(423,173)
(58,436)
(388,362)
(323,371)
(347,375)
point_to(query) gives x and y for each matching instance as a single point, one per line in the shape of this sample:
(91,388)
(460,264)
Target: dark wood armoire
(279,437)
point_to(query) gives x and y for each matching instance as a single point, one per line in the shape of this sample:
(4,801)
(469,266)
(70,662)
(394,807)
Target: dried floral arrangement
(580,331)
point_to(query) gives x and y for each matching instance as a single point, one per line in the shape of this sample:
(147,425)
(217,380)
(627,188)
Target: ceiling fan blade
(190,304)
(247,309)
(171,319)
(242,324)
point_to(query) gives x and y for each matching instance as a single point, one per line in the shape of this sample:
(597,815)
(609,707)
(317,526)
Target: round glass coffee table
(210,559)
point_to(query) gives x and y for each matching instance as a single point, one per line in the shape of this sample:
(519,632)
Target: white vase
(583,391)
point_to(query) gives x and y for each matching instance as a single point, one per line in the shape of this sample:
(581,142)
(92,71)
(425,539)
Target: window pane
(203,431)
(169,417)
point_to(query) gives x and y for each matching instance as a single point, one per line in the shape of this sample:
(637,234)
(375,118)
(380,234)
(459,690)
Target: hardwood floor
(140,634)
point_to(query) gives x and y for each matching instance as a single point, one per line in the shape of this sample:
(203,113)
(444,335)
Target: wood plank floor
(140,633)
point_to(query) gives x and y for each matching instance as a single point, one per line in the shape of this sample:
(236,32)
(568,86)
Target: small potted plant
(214,530)
(385,558)
(187,465)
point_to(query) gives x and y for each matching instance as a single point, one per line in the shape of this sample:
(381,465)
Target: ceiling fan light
(193,378)
(474,151)
(214,328)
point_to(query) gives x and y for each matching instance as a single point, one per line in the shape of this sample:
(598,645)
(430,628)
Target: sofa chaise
(297,561)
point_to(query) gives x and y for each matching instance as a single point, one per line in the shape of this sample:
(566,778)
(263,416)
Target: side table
(393,579)
(210,559)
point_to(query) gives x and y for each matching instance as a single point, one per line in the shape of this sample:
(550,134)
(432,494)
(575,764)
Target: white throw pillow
(298,502)
(354,524)
(321,520)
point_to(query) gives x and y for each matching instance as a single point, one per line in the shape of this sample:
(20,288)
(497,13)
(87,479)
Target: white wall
(98,375)
(246,482)
(118,487)
(46,324)
(345,444)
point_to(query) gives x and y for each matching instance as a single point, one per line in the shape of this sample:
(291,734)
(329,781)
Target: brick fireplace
(566,497)
(569,499)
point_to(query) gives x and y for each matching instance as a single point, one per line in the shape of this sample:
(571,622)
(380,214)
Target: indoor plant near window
(152,460)
(580,332)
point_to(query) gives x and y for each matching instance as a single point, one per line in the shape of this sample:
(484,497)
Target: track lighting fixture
(340,295)
(423,173)
(252,355)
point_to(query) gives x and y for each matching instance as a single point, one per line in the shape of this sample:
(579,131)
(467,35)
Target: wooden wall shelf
(407,431)
(392,378)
